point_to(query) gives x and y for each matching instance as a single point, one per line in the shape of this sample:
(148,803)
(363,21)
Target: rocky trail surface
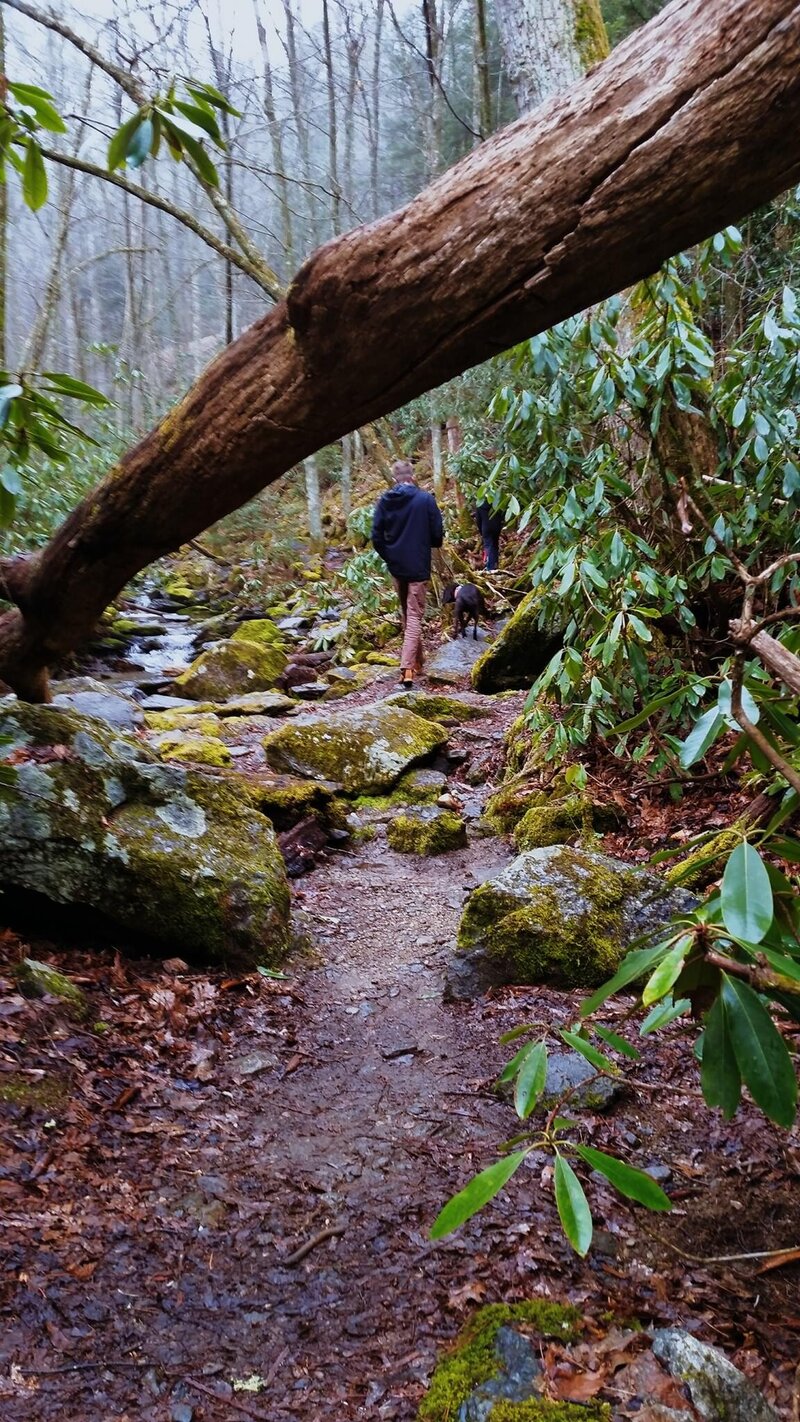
(219,1205)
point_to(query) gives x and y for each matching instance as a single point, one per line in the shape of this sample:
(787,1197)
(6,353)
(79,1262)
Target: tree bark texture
(690,123)
(548,44)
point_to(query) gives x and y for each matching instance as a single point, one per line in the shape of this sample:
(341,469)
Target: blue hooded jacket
(406,526)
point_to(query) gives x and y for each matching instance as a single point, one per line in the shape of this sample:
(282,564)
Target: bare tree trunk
(433,56)
(548,44)
(346,479)
(299,107)
(333,154)
(276,140)
(436,458)
(692,121)
(313,498)
(482,118)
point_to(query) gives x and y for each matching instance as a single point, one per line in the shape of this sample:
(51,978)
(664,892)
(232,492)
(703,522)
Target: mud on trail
(218,1204)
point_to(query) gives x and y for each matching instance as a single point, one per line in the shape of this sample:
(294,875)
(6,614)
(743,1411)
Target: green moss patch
(427,831)
(542,1410)
(437,708)
(197,750)
(261,630)
(472,1360)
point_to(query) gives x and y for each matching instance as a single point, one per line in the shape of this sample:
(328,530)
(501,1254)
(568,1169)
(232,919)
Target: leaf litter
(165,1165)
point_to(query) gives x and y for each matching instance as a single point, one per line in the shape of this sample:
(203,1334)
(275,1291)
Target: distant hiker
(490,525)
(406,526)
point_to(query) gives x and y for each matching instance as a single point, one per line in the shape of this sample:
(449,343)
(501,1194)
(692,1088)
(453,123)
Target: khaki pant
(412,607)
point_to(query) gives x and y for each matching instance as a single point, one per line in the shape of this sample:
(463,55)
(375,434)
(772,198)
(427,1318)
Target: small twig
(718,1258)
(80,1368)
(329,1232)
(207,553)
(227,1401)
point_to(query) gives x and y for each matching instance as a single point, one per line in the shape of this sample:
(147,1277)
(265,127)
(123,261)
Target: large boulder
(364,750)
(519,652)
(560,916)
(230,669)
(94,818)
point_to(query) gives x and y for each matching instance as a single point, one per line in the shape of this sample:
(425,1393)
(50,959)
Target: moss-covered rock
(520,651)
(507,806)
(35,979)
(256,703)
(364,750)
(261,630)
(197,723)
(287,799)
(563,821)
(479,1358)
(427,830)
(229,669)
(198,750)
(433,707)
(560,916)
(179,856)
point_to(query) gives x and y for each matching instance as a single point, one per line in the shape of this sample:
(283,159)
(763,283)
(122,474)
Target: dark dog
(469,606)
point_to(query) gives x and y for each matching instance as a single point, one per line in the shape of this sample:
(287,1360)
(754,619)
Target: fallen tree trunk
(693,121)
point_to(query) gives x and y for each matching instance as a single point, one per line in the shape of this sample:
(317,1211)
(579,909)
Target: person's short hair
(403,471)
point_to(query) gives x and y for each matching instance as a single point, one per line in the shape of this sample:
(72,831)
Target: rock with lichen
(426,830)
(519,652)
(96,819)
(365,750)
(433,706)
(560,916)
(35,979)
(229,669)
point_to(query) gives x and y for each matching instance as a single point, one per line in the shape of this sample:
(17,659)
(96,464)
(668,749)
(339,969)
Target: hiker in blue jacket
(406,526)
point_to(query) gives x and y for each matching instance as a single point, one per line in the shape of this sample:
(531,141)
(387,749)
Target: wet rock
(365,749)
(560,916)
(168,852)
(91,698)
(231,668)
(310,690)
(36,979)
(168,703)
(427,830)
(719,1392)
(520,651)
(454,661)
(569,1071)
